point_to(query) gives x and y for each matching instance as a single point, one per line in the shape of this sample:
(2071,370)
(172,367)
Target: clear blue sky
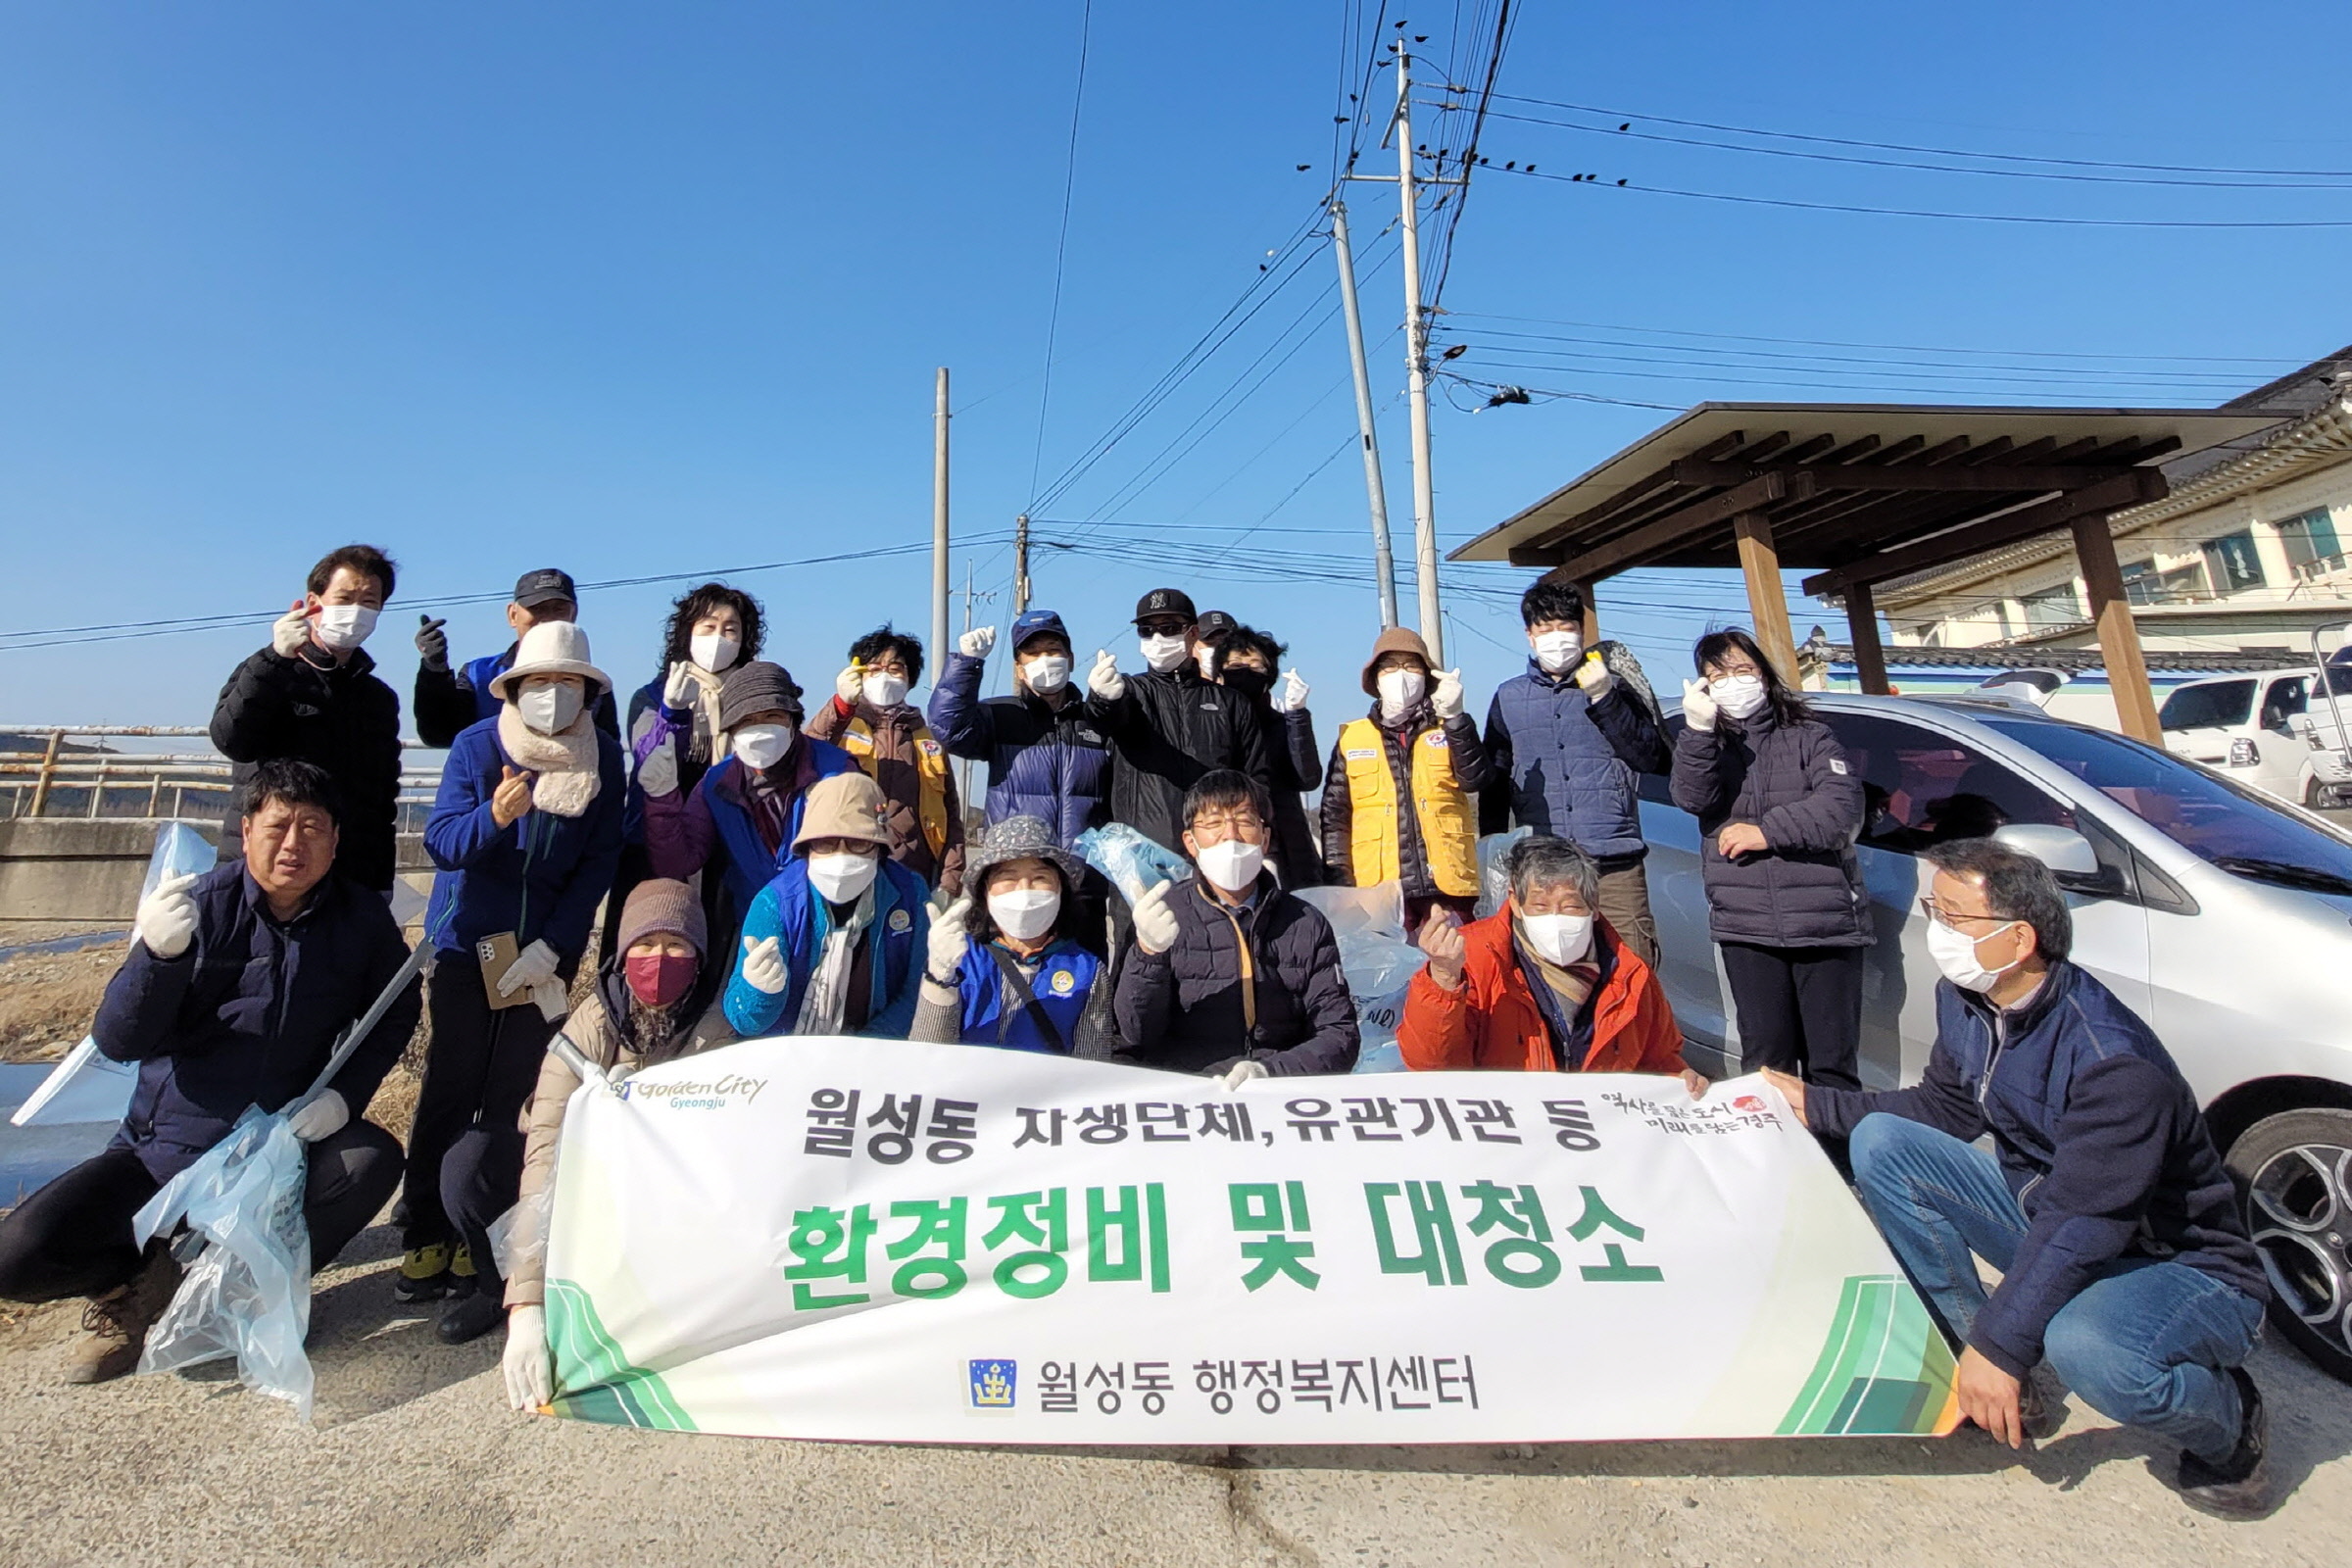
(641,290)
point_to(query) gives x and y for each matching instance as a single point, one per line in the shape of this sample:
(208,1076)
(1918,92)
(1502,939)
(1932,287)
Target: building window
(2052,607)
(2232,563)
(2311,544)
(2144,584)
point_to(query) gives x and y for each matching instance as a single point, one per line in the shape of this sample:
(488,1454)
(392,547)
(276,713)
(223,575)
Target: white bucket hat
(551,648)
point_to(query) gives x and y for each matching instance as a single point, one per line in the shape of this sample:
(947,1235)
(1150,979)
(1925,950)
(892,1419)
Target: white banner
(874,1239)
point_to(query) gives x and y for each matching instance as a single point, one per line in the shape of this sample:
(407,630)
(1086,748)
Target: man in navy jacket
(2123,1260)
(235,988)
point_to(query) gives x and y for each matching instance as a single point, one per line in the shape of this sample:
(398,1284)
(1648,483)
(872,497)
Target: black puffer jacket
(1792,782)
(340,718)
(1183,1011)
(1297,768)
(1167,730)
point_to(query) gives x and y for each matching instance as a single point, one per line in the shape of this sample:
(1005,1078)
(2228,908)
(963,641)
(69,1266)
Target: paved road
(415,1462)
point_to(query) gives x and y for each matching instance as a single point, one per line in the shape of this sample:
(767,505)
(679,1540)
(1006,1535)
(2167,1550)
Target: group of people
(758,870)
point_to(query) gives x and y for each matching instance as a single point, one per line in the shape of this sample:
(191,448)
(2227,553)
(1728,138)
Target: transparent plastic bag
(1492,886)
(1131,861)
(247,1293)
(1379,961)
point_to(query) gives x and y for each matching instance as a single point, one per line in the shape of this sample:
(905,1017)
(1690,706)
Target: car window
(1919,787)
(2216,705)
(2285,699)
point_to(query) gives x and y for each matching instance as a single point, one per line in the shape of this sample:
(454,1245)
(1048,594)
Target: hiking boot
(424,1274)
(115,1324)
(2042,1403)
(2238,1487)
(470,1316)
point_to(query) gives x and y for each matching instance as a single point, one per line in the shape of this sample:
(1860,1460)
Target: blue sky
(643,290)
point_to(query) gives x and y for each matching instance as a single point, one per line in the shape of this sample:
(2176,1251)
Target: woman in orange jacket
(1543,985)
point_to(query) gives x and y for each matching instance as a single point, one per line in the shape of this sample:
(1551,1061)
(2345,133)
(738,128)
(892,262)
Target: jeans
(2147,1343)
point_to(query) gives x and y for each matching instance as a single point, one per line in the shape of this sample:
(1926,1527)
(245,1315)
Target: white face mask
(1557,938)
(1162,654)
(343,627)
(1047,674)
(1024,914)
(547,706)
(1556,651)
(1955,953)
(1738,695)
(1232,866)
(1399,689)
(712,651)
(885,691)
(843,878)
(760,746)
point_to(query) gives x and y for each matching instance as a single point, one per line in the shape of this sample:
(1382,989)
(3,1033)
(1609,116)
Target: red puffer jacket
(1492,1021)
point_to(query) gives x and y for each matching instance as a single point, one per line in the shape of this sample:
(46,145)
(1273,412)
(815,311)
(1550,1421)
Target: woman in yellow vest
(1400,793)
(870,718)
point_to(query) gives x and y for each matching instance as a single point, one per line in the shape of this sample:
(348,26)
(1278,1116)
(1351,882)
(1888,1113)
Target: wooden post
(2117,637)
(1766,603)
(1592,615)
(1862,628)
(40,786)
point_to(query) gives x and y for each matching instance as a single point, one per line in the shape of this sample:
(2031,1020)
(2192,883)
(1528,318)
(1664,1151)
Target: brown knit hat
(846,806)
(756,688)
(659,904)
(1396,639)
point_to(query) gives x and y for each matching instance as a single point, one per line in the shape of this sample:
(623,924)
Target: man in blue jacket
(235,988)
(448,700)
(2125,1262)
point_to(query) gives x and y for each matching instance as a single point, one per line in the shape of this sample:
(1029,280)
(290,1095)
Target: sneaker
(470,1316)
(115,1324)
(424,1274)
(460,1261)
(2238,1487)
(2042,1403)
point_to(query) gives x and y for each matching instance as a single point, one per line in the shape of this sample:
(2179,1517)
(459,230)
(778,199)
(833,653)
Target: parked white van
(2276,731)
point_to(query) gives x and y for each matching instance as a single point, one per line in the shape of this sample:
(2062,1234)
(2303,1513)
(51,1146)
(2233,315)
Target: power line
(2077,373)
(1062,244)
(1900,348)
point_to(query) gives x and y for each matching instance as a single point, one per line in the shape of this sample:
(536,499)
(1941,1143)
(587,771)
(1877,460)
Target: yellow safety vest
(930,766)
(1447,814)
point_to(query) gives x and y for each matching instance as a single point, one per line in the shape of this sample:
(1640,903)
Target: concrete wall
(74,868)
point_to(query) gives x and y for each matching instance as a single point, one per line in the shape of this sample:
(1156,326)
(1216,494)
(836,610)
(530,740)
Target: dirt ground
(47,998)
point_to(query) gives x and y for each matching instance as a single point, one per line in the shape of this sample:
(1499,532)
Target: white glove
(976,643)
(432,643)
(1446,696)
(848,683)
(291,633)
(167,918)
(1594,678)
(1155,921)
(1243,1072)
(764,967)
(530,1381)
(531,966)
(1294,691)
(551,998)
(1698,705)
(1104,679)
(681,689)
(320,1116)
(948,941)
(658,775)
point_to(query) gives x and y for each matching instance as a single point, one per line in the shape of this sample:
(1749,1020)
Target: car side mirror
(2064,851)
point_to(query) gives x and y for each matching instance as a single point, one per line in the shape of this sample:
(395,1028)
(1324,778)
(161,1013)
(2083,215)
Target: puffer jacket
(1167,730)
(712,827)
(1044,762)
(2098,1136)
(899,738)
(451,700)
(340,718)
(891,961)
(541,876)
(249,1014)
(1296,765)
(1184,1010)
(1473,770)
(1792,782)
(1566,765)
(1494,1023)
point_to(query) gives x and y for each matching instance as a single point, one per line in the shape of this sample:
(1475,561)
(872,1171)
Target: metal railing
(98,782)
(2322,566)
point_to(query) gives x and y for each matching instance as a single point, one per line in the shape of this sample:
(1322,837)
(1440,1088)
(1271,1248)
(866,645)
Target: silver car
(2220,914)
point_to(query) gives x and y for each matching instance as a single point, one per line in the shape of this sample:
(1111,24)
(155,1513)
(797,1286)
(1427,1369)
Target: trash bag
(247,1293)
(1492,886)
(1131,861)
(1378,959)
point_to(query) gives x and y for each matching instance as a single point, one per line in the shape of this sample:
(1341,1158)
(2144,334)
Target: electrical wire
(1061,243)
(1896,348)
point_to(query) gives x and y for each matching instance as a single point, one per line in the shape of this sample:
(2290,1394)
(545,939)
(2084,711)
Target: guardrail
(99,782)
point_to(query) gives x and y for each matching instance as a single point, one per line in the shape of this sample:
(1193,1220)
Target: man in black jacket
(1168,727)
(2124,1259)
(235,988)
(1229,975)
(449,700)
(312,694)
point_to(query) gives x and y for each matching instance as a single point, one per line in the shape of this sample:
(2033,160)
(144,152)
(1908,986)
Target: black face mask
(1249,682)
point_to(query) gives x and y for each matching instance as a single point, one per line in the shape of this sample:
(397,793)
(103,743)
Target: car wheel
(2294,1176)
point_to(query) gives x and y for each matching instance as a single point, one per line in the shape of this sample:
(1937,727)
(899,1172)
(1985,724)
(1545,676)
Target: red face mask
(658,979)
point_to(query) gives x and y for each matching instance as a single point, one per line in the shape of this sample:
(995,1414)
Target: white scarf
(823,1003)
(709,740)
(565,761)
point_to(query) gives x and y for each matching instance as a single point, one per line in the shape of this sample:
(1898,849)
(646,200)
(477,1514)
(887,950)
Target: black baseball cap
(1166,602)
(1215,625)
(535,588)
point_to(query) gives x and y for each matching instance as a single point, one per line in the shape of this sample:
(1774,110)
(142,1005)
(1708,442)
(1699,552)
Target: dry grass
(48,999)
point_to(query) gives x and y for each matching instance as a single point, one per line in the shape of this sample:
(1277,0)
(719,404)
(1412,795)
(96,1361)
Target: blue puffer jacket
(1566,765)
(1063,986)
(541,876)
(1041,762)
(788,910)
(2098,1136)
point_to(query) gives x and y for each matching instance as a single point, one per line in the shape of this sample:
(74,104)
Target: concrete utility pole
(938,525)
(1383,566)
(1020,565)
(1416,365)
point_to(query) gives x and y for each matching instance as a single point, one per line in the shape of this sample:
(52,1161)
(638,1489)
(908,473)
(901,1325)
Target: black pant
(1800,1010)
(72,1237)
(478,1073)
(480,1179)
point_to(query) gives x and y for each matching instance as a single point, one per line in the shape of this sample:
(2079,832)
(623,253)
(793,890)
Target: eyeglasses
(1943,916)
(1225,827)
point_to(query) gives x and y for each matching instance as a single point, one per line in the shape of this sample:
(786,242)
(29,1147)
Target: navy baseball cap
(535,588)
(1216,625)
(1030,622)
(1166,602)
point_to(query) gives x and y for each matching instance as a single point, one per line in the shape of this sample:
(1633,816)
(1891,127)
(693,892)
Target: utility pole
(1020,565)
(1383,566)
(1416,363)
(939,526)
